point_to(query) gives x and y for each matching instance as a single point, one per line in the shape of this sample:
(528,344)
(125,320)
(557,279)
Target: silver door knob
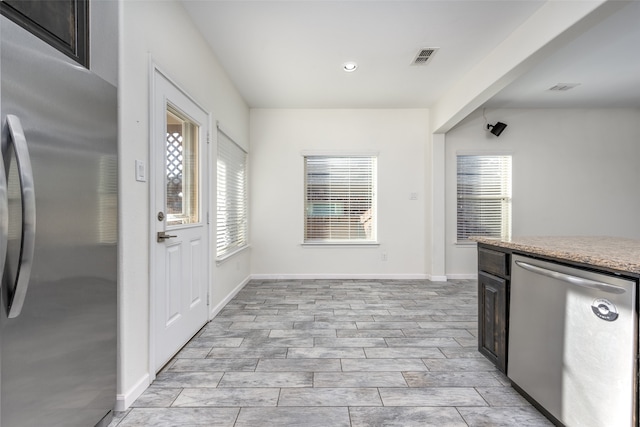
(162,236)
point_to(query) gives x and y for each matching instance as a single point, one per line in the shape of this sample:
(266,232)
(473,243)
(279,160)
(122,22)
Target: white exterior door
(180,235)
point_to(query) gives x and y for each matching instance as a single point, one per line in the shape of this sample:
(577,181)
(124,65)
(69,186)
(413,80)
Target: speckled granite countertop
(614,253)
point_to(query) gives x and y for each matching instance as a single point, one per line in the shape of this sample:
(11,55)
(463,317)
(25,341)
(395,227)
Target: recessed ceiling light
(349,67)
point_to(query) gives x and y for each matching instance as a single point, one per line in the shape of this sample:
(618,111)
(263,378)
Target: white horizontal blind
(484,196)
(231,221)
(340,199)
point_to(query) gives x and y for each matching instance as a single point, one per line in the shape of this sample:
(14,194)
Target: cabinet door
(61,23)
(492,318)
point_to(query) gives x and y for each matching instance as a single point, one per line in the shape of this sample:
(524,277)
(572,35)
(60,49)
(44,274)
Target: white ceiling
(289,54)
(604,61)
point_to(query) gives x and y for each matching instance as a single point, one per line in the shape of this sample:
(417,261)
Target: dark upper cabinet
(63,24)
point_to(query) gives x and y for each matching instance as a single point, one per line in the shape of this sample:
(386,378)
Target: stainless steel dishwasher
(573,342)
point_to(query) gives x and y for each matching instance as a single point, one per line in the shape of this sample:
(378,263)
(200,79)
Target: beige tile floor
(336,353)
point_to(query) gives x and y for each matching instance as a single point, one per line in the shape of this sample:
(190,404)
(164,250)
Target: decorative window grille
(174,172)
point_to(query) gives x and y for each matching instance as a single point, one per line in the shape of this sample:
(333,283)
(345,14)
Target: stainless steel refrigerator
(58,236)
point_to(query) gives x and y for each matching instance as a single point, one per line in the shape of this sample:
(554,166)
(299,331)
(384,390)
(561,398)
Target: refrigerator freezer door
(58,357)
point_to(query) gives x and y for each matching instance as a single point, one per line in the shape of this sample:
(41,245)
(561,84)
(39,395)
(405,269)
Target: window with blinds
(340,204)
(232,209)
(484,196)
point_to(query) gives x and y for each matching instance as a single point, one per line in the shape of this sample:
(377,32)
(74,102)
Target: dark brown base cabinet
(493,307)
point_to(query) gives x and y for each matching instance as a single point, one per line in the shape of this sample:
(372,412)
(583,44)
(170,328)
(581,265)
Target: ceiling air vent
(562,87)
(424,55)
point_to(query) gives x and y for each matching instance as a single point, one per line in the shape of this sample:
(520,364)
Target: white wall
(278,138)
(103,26)
(575,172)
(162,32)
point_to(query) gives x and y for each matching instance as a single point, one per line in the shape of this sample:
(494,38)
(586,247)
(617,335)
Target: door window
(182,169)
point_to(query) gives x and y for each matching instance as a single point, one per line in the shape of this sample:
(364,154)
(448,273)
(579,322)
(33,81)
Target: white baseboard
(123,401)
(340,277)
(433,278)
(462,276)
(218,307)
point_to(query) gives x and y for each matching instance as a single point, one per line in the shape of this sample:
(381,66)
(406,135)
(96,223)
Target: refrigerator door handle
(28,215)
(4,215)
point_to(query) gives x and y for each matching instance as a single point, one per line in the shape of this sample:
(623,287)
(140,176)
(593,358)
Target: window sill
(467,243)
(225,257)
(339,244)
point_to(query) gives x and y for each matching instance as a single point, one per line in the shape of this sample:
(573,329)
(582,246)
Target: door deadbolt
(160,216)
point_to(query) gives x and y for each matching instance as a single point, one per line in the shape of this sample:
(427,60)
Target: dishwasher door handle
(579,281)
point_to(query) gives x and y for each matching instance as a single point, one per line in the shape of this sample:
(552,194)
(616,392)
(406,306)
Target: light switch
(141,171)
(413,196)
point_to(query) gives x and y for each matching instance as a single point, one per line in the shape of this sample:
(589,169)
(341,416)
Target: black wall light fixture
(497,128)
